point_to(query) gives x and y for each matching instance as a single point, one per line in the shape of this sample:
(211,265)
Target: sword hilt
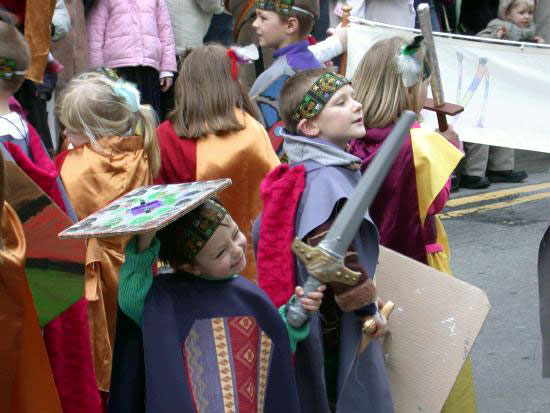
(369,326)
(322,269)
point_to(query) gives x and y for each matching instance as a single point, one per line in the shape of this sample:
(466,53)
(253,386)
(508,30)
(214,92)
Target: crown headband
(201,223)
(7,68)
(318,95)
(282,7)
(408,65)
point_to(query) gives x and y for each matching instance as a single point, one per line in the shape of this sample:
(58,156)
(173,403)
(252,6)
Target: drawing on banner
(482,73)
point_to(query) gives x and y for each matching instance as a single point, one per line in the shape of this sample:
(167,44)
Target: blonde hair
(13,46)
(515,3)
(292,94)
(379,88)
(90,107)
(206,94)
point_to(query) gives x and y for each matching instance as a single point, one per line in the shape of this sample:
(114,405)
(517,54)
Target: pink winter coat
(131,33)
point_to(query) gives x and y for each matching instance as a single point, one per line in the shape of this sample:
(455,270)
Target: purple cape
(362,382)
(210,344)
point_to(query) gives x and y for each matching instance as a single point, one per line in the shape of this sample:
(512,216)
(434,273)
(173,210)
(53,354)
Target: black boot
(474,182)
(507,176)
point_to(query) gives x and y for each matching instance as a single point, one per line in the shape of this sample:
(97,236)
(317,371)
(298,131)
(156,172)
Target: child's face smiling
(270,29)
(224,253)
(341,120)
(521,14)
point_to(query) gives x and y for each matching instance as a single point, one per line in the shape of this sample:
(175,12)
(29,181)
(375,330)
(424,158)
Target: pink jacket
(131,33)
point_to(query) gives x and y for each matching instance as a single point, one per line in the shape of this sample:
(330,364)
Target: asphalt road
(494,237)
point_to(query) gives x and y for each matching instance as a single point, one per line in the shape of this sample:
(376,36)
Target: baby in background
(514,22)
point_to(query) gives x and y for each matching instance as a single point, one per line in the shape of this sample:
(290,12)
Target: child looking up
(393,76)
(212,133)
(115,151)
(486,164)
(321,116)
(211,338)
(283,26)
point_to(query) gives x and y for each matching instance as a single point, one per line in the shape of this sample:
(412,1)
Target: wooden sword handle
(369,326)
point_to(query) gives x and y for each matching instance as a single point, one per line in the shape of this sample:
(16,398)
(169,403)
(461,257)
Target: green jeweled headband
(201,223)
(282,7)
(318,95)
(7,68)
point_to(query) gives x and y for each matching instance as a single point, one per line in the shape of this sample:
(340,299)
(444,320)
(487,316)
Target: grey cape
(362,382)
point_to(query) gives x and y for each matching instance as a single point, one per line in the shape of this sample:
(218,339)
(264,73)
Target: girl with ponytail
(113,149)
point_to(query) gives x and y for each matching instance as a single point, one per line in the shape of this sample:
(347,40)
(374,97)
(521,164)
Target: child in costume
(283,25)
(213,133)
(486,164)
(26,381)
(393,76)
(115,150)
(212,341)
(20,143)
(136,38)
(321,116)
(19,140)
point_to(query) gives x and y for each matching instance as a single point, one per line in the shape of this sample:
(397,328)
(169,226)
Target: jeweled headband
(318,95)
(201,223)
(282,7)
(7,68)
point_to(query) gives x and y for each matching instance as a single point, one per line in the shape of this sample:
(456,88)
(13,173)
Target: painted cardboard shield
(145,209)
(54,268)
(432,329)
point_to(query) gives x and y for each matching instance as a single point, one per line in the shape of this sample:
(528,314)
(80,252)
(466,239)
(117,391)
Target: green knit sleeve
(294,334)
(136,278)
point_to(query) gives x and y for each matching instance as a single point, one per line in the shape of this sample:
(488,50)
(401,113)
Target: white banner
(504,88)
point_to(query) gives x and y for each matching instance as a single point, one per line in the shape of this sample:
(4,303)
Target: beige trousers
(481,158)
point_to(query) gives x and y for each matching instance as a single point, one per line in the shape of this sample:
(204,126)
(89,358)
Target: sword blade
(425,23)
(346,224)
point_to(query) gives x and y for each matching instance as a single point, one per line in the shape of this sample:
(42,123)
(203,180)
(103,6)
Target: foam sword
(437,104)
(325,262)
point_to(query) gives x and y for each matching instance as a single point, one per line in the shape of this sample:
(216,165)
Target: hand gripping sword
(325,262)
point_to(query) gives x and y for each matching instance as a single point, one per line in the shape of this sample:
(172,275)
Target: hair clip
(7,68)
(242,55)
(407,62)
(108,73)
(129,92)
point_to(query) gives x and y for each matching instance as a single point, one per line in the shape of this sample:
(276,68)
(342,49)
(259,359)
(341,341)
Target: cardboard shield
(145,209)
(54,268)
(431,330)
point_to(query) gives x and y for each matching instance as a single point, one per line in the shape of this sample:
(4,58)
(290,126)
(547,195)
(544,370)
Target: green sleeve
(294,334)
(136,278)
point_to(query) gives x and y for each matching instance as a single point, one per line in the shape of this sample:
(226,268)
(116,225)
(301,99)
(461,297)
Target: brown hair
(13,46)
(379,88)
(206,94)
(293,93)
(305,22)
(90,106)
